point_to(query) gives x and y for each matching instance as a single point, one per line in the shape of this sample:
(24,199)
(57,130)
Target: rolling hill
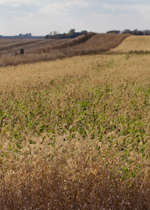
(52,49)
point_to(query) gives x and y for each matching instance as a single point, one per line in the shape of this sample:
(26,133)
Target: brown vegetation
(99,43)
(71,42)
(42,50)
(75,134)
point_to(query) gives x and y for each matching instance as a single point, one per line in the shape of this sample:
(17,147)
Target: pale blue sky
(40,17)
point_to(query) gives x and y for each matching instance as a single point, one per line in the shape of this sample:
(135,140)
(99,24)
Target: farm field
(134,43)
(10,46)
(75,133)
(52,49)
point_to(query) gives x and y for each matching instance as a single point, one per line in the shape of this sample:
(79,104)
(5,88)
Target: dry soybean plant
(80,140)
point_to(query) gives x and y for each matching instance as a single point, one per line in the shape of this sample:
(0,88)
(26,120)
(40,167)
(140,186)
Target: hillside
(92,44)
(134,43)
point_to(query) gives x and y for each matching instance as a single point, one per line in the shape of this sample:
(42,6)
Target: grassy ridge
(134,43)
(78,138)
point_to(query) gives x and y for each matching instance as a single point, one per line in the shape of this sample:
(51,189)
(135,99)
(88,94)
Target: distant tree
(84,32)
(52,35)
(114,32)
(136,32)
(141,33)
(127,31)
(25,35)
(47,37)
(55,32)
(146,32)
(71,32)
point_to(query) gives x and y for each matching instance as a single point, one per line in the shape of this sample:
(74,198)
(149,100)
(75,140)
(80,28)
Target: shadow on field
(48,188)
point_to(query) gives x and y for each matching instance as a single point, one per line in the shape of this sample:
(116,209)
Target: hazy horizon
(40,18)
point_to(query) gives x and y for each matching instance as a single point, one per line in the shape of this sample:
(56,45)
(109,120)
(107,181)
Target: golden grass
(75,134)
(122,69)
(134,43)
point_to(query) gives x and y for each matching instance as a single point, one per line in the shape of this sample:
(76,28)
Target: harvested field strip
(19,42)
(18,45)
(75,134)
(134,43)
(30,46)
(7,42)
(4,43)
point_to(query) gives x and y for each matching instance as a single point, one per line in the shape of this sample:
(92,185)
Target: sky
(40,17)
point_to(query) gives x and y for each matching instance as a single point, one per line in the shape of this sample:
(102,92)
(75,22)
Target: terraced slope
(134,43)
(92,44)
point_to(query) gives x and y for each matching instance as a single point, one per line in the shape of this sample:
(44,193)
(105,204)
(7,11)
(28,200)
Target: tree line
(134,32)
(70,34)
(73,34)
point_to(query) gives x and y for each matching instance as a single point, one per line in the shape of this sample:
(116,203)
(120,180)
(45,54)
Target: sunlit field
(134,43)
(75,133)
